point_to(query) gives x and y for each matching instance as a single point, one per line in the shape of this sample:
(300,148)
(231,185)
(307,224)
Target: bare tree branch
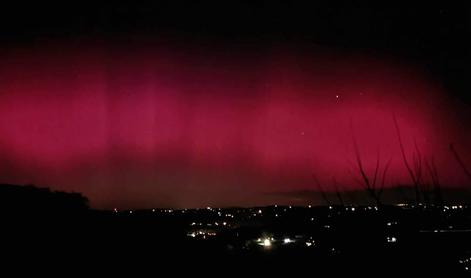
(412,175)
(321,190)
(369,184)
(460,161)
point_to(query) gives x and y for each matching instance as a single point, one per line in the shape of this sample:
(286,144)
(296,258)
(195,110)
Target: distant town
(417,236)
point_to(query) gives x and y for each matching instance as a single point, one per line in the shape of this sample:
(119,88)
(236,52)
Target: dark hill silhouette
(32,199)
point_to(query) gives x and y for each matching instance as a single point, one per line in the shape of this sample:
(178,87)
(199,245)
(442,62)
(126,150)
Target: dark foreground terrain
(299,241)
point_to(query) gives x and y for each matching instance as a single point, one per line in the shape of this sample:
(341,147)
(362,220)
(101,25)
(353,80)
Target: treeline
(32,199)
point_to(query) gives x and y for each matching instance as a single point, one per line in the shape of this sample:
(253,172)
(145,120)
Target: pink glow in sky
(149,125)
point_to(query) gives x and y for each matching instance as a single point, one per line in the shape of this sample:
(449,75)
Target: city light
(287,240)
(266,242)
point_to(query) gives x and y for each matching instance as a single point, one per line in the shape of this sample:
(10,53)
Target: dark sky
(169,103)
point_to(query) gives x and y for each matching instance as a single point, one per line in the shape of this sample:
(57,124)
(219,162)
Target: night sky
(184,105)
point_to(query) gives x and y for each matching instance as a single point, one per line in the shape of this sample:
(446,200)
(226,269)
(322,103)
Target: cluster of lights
(201,233)
(310,242)
(468,260)
(391,239)
(208,224)
(454,207)
(467,263)
(265,242)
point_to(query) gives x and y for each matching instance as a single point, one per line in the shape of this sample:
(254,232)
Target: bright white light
(130,211)
(259,211)
(208,208)
(330,207)
(287,240)
(392,239)
(224,223)
(312,219)
(266,242)
(353,209)
(308,244)
(309,206)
